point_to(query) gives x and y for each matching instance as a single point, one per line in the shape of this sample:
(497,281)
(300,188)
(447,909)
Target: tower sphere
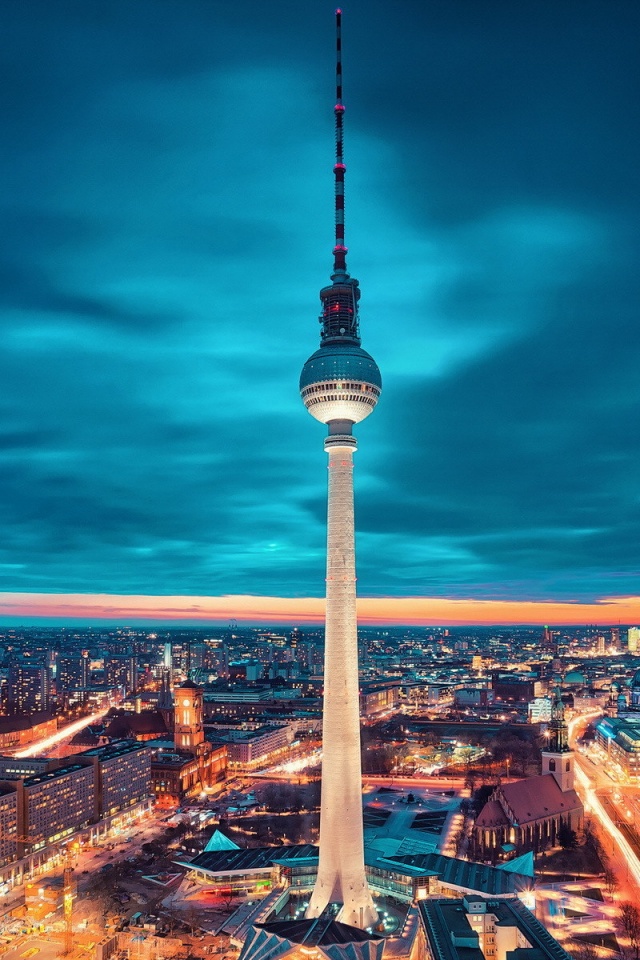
(340,381)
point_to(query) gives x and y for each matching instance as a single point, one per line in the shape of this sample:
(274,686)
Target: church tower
(165,701)
(558,758)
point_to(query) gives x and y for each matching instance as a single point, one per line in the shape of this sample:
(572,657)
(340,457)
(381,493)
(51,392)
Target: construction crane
(67,900)
(67,890)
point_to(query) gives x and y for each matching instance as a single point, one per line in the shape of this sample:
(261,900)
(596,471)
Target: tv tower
(340,385)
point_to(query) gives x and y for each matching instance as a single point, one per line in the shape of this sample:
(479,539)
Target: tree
(480,797)
(585,951)
(567,838)
(630,920)
(610,880)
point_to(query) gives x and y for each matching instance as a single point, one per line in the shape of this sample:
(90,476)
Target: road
(64,733)
(407,783)
(596,788)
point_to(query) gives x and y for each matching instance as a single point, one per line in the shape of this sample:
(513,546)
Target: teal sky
(166,194)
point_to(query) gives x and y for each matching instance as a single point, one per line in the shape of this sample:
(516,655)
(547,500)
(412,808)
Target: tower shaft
(341,875)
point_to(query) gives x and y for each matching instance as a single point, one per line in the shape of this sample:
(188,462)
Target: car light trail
(63,734)
(608,825)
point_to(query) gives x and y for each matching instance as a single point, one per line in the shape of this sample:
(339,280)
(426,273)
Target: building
(323,938)
(249,670)
(632,710)
(530,815)
(633,639)
(52,805)
(379,697)
(340,385)
(8,823)
(620,739)
(28,687)
(122,776)
(539,710)
(189,763)
(143,726)
(251,749)
(176,775)
(14,768)
(478,928)
(121,672)
(18,732)
(73,673)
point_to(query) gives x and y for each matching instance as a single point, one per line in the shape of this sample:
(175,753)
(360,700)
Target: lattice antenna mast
(340,301)
(339,169)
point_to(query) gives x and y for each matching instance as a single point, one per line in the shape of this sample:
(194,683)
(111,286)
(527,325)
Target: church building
(530,815)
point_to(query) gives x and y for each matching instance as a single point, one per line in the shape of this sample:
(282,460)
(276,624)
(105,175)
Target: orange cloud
(265,610)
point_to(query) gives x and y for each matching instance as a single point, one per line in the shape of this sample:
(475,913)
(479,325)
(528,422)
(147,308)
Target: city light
(63,734)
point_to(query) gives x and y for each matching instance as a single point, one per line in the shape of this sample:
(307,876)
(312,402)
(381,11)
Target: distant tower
(340,385)
(165,701)
(167,658)
(557,759)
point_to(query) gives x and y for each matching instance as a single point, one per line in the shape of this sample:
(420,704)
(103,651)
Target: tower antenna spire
(339,168)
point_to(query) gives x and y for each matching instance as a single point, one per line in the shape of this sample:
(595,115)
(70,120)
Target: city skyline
(168,200)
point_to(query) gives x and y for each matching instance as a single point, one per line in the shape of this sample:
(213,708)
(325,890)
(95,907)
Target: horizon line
(256,610)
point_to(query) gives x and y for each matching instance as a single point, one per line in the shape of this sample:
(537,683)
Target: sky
(167,208)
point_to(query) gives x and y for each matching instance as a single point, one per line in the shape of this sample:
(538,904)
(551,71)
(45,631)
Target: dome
(340,361)
(575,677)
(340,381)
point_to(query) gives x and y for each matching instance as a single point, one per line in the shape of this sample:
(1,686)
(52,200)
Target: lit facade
(176,775)
(621,741)
(54,804)
(29,687)
(21,731)
(8,824)
(122,776)
(121,671)
(250,749)
(73,672)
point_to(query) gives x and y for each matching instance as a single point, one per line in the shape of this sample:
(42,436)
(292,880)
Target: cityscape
(161,790)
(244,712)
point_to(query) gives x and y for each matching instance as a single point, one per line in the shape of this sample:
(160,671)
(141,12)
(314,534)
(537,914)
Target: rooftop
(445,921)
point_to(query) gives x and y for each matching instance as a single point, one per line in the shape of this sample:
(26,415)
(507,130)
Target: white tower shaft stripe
(341,875)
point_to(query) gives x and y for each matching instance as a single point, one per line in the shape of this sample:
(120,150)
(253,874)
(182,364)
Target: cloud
(168,198)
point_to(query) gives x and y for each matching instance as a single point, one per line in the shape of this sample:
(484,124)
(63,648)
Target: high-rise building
(121,670)
(633,639)
(29,687)
(340,385)
(72,672)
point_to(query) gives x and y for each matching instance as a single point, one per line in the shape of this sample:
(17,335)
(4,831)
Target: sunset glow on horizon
(308,610)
